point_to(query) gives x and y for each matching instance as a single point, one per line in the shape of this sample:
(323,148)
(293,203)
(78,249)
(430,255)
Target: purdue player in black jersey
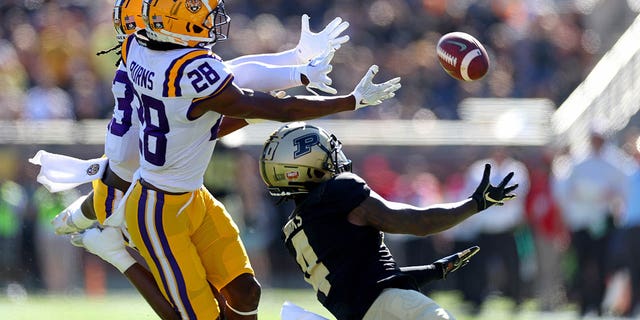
(336,231)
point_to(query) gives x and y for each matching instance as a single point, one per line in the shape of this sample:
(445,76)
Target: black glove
(455,261)
(487,195)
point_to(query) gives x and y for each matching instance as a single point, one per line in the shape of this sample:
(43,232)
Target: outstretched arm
(394,217)
(267,77)
(233,102)
(309,46)
(439,269)
(423,274)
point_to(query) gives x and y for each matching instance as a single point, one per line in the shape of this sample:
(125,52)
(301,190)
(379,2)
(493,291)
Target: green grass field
(128,305)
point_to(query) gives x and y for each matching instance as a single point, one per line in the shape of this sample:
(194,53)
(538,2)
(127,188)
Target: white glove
(106,244)
(368,93)
(317,72)
(318,44)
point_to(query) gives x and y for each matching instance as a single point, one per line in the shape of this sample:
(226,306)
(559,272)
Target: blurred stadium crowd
(543,49)
(49,68)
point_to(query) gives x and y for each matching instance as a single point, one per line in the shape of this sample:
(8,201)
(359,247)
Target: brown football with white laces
(462,56)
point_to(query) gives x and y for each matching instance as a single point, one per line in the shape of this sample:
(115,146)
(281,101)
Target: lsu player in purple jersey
(335,232)
(185,91)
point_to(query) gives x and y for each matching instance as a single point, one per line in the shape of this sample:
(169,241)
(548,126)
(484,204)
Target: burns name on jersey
(141,76)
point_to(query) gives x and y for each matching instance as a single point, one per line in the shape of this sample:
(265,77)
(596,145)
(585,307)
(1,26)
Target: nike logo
(460,45)
(488,198)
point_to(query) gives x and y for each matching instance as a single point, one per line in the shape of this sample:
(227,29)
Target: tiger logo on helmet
(190,23)
(298,156)
(193,5)
(127,18)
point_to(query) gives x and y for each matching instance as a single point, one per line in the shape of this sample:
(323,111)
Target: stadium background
(556,65)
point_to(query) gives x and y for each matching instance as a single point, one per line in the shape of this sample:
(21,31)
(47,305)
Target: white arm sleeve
(265,77)
(283,58)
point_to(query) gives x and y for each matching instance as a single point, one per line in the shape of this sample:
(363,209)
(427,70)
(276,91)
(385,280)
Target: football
(462,56)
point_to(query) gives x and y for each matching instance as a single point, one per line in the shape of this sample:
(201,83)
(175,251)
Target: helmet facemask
(338,162)
(218,23)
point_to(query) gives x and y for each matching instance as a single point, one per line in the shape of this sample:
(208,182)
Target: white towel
(291,311)
(59,172)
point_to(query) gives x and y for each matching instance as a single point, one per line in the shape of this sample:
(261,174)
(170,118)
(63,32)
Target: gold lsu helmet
(191,23)
(298,156)
(127,18)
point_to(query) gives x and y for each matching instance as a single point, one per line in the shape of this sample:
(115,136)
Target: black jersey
(347,265)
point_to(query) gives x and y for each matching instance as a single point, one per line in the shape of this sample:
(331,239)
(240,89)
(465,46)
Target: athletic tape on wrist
(242,313)
(79,220)
(121,260)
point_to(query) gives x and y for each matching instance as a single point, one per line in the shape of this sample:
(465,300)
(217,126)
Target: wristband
(253,121)
(242,313)
(80,220)
(122,260)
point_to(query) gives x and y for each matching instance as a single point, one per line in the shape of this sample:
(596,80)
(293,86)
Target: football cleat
(77,239)
(455,261)
(63,223)
(192,23)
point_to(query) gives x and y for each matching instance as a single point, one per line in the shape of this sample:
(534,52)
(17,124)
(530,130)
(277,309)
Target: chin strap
(242,313)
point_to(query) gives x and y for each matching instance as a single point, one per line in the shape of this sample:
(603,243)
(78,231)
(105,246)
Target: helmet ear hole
(197,29)
(318,174)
